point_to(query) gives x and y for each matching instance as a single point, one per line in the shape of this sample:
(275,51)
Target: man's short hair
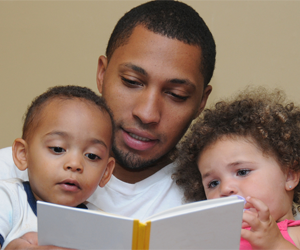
(173,19)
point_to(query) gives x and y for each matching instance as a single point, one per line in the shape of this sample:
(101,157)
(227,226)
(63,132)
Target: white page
(211,228)
(81,228)
(194,206)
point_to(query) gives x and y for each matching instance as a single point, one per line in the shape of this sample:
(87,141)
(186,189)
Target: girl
(249,147)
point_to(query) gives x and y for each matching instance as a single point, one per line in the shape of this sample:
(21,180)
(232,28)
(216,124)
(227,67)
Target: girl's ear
(292,179)
(108,172)
(19,152)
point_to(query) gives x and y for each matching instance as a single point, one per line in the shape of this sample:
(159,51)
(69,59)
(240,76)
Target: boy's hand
(29,241)
(264,233)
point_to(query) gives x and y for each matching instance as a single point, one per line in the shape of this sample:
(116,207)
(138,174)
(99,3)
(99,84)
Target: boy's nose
(74,164)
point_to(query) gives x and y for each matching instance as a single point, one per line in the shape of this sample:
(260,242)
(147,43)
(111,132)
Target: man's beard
(131,161)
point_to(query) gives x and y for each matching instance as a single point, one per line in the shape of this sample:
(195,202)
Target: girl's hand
(264,233)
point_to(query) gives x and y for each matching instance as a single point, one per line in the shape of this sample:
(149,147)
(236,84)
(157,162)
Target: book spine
(135,234)
(141,235)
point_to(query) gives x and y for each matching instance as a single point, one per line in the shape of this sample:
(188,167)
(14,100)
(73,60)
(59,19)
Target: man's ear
(292,179)
(108,171)
(102,65)
(205,96)
(19,152)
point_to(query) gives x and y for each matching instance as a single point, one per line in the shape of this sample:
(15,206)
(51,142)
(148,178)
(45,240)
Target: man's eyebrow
(182,81)
(136,68)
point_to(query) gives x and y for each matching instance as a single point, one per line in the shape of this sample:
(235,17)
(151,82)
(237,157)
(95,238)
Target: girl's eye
(57,150)
(243,172)
(213,184)
(92,156)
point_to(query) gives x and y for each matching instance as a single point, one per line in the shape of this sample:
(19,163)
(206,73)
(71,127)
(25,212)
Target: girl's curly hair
(255,113)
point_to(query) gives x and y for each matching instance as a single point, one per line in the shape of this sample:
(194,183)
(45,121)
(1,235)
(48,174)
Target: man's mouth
(140,142)
(138,137)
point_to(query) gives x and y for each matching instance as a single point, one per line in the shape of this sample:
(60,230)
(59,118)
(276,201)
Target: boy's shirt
(18,210)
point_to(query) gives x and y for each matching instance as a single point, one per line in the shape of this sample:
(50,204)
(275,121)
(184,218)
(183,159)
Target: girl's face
(237,166)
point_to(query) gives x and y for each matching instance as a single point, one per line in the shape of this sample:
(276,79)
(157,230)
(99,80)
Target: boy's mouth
(70,185)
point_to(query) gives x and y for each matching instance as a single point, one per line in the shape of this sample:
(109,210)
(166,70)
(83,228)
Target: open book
(210,224)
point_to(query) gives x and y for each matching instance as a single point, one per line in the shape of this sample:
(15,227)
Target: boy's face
(154,88)
(68,153)
(239,167)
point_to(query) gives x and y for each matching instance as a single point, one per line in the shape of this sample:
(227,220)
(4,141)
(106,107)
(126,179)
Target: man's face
(154,88)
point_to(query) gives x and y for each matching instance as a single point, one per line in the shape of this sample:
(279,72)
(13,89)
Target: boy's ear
(19,152)
(292,179)
(102,65)
(108,172)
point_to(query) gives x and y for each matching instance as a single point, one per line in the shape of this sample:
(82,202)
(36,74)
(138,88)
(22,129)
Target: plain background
(47,43)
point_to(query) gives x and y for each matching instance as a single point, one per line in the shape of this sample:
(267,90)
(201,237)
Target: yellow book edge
(141,235)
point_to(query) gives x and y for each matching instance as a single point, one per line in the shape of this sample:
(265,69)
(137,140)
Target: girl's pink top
(283,226)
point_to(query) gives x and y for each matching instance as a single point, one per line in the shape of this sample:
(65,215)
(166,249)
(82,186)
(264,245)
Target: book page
(216,227)
(81,228)
(194,206)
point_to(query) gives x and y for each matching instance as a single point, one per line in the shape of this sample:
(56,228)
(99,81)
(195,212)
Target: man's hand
(264,233)
(29,241)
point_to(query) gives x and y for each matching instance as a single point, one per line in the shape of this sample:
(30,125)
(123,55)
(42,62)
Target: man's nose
(148,107)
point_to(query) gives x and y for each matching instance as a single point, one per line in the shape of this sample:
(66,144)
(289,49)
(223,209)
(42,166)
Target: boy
(66,142)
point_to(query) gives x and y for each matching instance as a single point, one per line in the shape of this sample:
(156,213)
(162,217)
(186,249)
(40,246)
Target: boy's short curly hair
(256,113)
(67,92)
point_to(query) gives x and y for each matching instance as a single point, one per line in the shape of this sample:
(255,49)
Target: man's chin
(133,162)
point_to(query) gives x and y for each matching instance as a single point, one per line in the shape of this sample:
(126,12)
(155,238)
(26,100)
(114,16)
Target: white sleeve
(8,169)
(6,212)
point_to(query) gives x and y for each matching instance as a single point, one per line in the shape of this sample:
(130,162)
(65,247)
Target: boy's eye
(92,156)
(213,184)
(243,172)
(57,149)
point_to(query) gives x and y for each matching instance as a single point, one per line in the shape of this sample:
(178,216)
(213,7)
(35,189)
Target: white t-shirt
(140,200)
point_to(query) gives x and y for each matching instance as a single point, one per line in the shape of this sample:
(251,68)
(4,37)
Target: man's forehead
(146,47)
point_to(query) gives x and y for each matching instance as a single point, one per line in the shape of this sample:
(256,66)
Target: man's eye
(92,156)
(243,172)
(130,82)
(57,149)
(178,98)
(213,184)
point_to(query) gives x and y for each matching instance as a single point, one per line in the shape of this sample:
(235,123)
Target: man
(159,61)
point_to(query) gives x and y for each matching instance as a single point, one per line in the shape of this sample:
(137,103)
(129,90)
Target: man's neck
(134,176)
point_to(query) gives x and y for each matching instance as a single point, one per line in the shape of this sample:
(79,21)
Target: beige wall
(47,43)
